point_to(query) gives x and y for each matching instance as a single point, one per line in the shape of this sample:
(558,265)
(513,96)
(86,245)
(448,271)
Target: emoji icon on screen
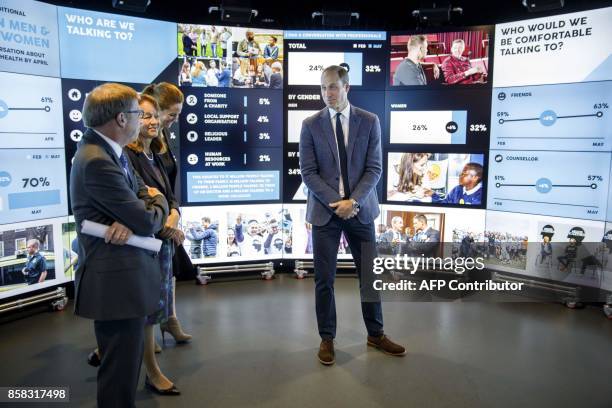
(75,115)
(192,159)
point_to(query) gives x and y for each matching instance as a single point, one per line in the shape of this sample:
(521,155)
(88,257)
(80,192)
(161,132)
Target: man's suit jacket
(426,244)
(432,235)
(386,243)
(113,281)
(320,169)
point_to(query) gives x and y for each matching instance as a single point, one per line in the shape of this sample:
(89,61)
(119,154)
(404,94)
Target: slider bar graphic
(545,202)
(30,133)
(548,137)
(598,114)
(553,185)
(46,108)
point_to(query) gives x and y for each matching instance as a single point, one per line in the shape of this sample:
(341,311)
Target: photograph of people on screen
(71,249)
(298,234)
(440,178)
(202,238)
(505,248)
(251,235)
(203,40)
(576,255)
(26,257)
(204,72)
(440,58)
(467,243)
(410,233)
(211,56)
(258,58)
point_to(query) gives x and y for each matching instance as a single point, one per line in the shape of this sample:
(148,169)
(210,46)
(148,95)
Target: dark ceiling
(385,15)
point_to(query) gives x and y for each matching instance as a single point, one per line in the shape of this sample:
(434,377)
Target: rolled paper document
(98,230)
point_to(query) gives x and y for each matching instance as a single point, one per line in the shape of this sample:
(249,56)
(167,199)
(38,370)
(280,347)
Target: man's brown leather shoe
(386,345)
(326,352)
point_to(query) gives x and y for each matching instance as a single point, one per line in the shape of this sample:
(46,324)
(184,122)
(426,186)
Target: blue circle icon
(5,179)
(3,109)
(548,118)
(543,185)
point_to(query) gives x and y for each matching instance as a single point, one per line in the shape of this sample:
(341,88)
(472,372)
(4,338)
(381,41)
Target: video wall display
(500,137)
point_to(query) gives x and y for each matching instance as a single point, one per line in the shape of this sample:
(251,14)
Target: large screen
(499,136)
(549,163)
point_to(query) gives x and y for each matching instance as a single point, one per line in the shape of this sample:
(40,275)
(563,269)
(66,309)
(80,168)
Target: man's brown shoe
(326,352)
(386,345)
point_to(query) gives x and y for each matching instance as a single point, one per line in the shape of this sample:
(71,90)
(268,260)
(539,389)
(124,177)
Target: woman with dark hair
(170,100)
(143,156)
(233,249)
(411,171)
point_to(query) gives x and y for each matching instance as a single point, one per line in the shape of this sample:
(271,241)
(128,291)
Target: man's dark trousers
(121,345)
(362,242)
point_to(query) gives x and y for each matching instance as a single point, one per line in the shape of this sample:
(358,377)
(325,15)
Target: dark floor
(256,341)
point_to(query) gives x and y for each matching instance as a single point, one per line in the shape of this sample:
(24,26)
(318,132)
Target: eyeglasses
(140,112)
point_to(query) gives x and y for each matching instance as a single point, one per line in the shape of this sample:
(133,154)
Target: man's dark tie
(126,168)
(342,154)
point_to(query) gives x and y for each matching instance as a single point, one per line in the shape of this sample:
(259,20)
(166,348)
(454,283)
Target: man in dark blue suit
(426,240)
(341,163)
(116,285)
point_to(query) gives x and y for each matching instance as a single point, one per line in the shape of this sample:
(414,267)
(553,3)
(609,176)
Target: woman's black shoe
(168,391)
(93,359)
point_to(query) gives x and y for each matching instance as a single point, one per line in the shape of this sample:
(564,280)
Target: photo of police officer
(35,270)
(27,256)
(544,257)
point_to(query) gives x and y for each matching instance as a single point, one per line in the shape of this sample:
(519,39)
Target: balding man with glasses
(116,285)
